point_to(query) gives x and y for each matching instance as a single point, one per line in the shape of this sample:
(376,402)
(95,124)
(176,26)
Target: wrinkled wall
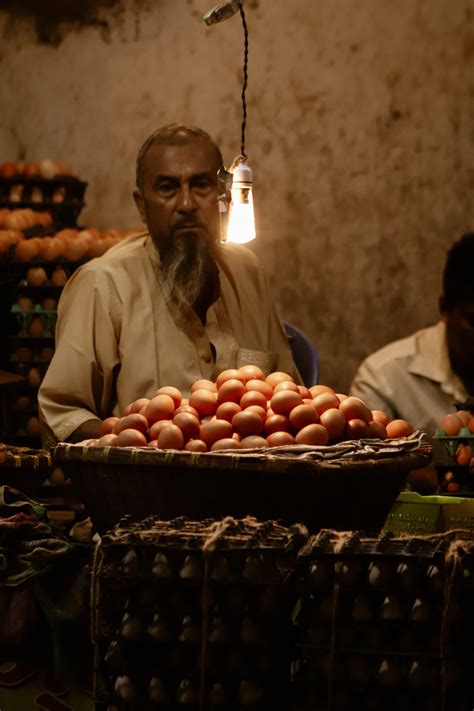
(360,133)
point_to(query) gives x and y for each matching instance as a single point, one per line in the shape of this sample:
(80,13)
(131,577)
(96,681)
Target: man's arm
(88,430)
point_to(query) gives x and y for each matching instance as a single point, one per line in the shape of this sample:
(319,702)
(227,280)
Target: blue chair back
(304,353)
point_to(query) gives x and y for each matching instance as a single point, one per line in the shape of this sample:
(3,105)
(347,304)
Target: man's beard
(190,276)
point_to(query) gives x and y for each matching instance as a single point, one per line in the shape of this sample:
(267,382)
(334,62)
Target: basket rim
(65,453)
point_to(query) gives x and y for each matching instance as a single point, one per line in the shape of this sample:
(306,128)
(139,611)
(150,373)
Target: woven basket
(341,494)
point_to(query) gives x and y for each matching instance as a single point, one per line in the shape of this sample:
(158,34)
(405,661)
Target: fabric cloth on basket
(411,379)
(118,339)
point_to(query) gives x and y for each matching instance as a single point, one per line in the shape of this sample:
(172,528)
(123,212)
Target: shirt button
(206,358)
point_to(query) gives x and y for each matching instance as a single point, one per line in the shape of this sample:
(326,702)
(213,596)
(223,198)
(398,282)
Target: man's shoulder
(236,256)
(401,350)
(123,253)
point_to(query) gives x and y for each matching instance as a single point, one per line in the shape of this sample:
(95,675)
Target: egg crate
(416,514)
(195,605)
(24,319)
(380,615)
(62,196)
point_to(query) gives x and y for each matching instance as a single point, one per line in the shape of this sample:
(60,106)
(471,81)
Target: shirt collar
(431,360)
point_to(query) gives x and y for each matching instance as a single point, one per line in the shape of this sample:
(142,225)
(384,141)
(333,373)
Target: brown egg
(286,385)
(304,392)
(27,250)
(46,353)
(262,411)
(24,354)
(230,374)
(341,396)
(259,386)
(34,377)
(131,438)
(251,372)
(187,408)
(464,416)
(276,423)
(23,402)
(137,405)
(463,455)
(356,428)
(276,377)
(204,385)
(204,401)
(174,393)
(247,423)
(215,430)
(399,428)
(25,303)
(253,397)
(49,303)
(284,401)
(156,428)
(153,443)
(108,440)
(33,427)
(380,416)
(280,439)
(312,435)
(188,424)
(196,445)
(107,426)
(253,442)
(450,424)
(325,401)
(170,437)
(36,276)
(318,389)
(230,391)
(227,410)
(335,423)
(354,409)
(470,425)
(35,329)
(160,407)
(133,421)
(59,277)
(377,430)
(30,170)
(227,443)
(51,248)
(303,415)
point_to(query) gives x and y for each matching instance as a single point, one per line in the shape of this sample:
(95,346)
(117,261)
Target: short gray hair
(173,134)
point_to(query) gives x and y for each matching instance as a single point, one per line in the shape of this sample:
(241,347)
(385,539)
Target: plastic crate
(413,513)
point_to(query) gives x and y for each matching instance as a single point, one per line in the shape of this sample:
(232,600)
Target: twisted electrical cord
(244,85)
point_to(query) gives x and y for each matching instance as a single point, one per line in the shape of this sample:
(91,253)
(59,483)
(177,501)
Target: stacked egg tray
(63,196)
(449,471)
(194,614)
(385,623)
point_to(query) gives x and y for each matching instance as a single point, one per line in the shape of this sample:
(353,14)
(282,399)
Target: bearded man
(165,307)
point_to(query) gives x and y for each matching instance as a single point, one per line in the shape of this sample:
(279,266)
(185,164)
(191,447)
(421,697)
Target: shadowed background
(360,133)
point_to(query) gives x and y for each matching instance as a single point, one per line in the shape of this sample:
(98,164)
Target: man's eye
(166,187)
(204,184)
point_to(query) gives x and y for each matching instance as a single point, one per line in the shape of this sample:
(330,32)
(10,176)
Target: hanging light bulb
(241,227)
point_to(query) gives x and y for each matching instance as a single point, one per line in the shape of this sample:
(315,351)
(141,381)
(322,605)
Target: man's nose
(186,201)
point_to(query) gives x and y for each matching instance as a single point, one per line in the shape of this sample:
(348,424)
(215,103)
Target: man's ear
(140,203)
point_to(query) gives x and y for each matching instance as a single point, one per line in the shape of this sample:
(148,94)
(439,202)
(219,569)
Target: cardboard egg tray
(385,623)
(194,613)
(463,475)
(62,196)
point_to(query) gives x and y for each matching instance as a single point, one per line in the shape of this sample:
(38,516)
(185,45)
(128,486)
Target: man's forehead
(190,157)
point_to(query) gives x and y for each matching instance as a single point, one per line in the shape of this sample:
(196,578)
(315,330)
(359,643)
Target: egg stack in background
(40,247)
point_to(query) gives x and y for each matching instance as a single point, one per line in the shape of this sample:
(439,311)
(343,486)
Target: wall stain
(58,18)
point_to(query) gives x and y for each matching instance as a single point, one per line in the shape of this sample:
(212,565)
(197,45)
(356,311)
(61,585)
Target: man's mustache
(183,224)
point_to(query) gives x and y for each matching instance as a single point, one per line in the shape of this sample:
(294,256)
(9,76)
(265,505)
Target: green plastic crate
(413,513)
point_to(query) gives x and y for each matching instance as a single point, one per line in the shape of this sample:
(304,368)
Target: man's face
(179,196)
(460,338)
